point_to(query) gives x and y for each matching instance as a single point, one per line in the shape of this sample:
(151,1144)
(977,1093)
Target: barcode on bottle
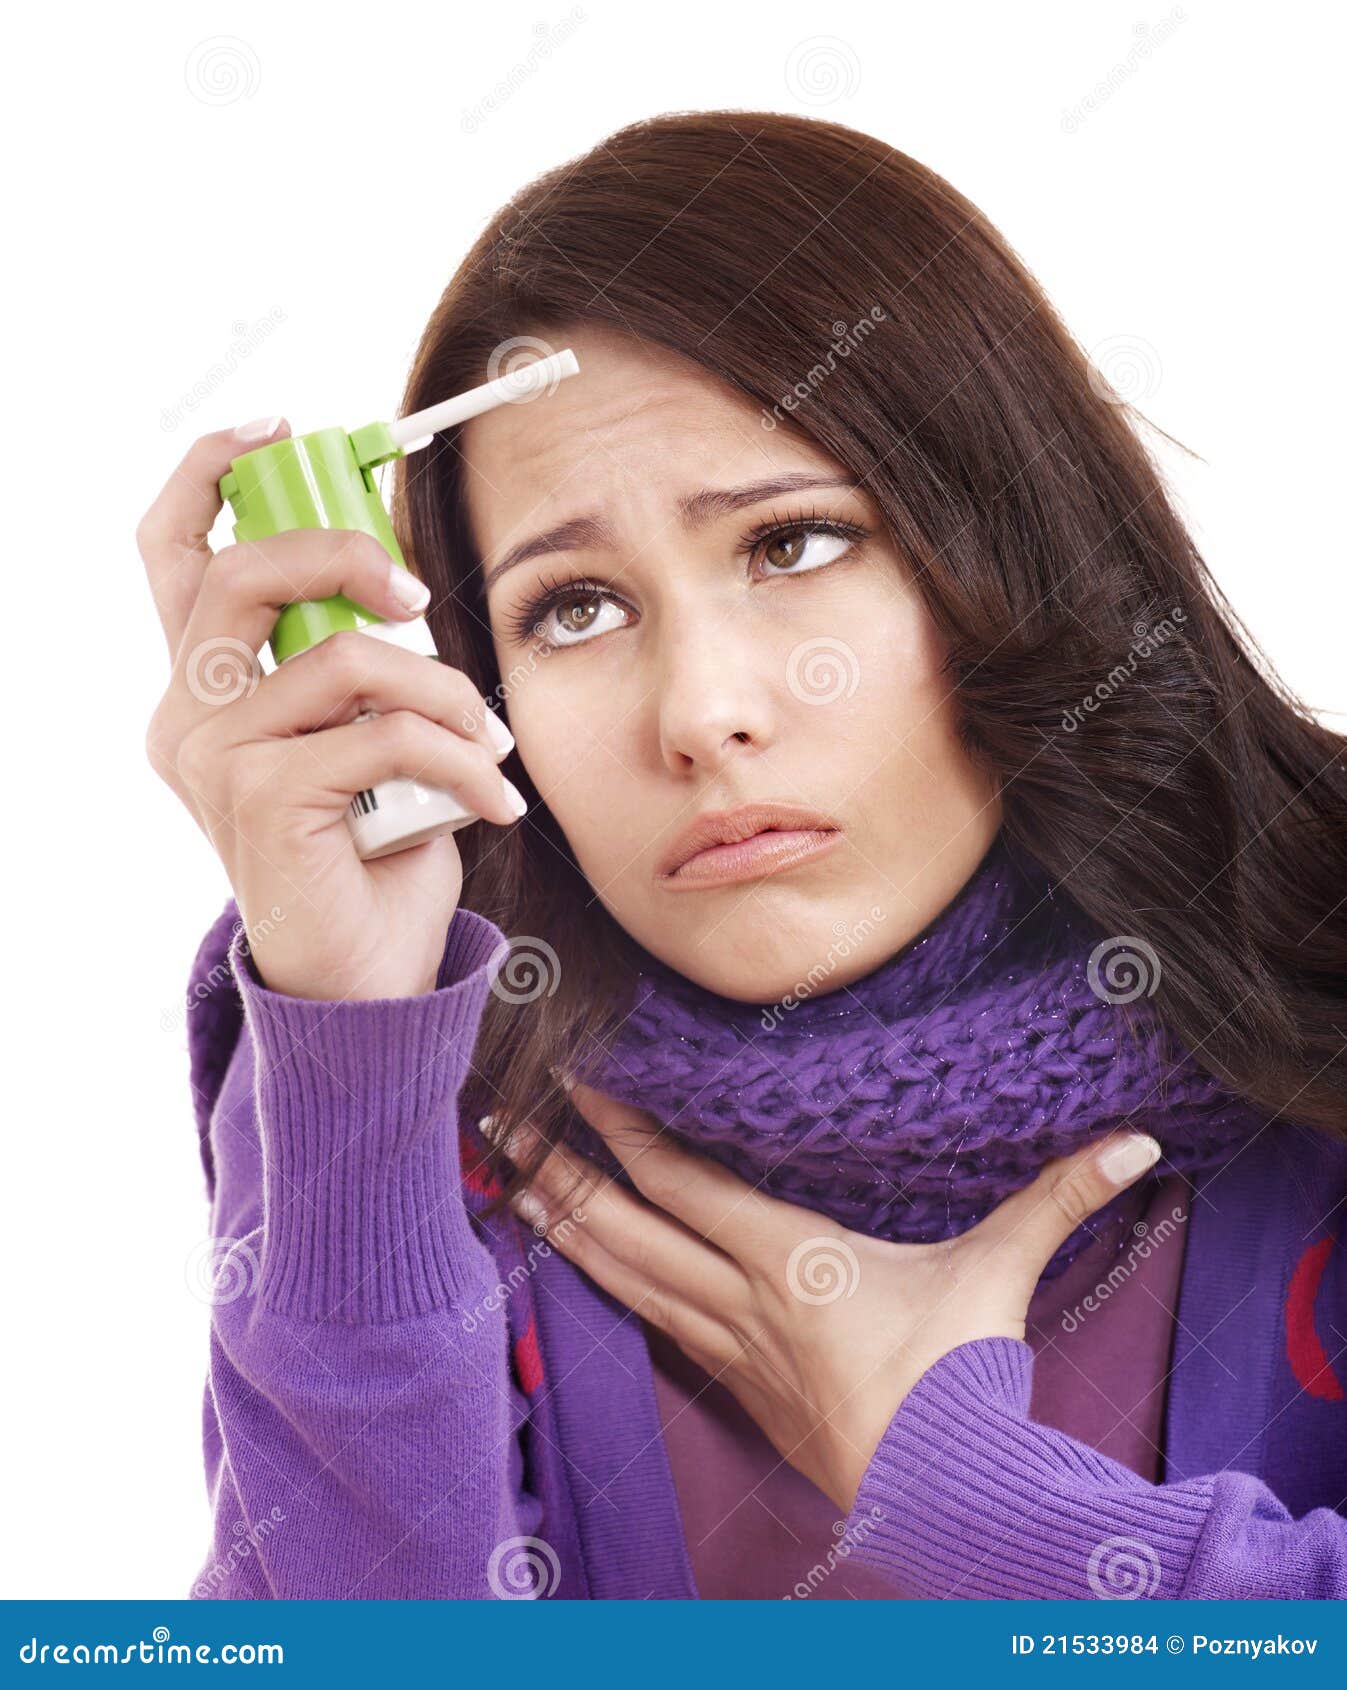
(364,803)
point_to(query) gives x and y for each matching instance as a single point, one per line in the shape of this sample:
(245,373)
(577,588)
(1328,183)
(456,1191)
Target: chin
(806,955)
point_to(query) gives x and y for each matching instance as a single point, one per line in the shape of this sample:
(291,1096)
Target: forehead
(638,425)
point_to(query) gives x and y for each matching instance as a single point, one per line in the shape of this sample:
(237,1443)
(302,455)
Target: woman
(768,1219)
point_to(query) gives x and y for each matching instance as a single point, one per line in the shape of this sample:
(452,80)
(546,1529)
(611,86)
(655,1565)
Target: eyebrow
(695,510)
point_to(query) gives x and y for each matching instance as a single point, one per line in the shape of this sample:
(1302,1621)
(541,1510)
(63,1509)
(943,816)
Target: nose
(713,700)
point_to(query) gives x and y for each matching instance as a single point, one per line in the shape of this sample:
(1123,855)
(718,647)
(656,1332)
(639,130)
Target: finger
(334,681)
(245,587)
(644,1239)
(325,770)
(173,533)
(1032,1223)
(701,1193)
(698,1333)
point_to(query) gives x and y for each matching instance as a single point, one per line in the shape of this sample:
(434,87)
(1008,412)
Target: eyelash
(521,623)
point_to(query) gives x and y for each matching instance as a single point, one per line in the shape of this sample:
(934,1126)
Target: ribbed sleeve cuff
(357,1105)
(966,1497)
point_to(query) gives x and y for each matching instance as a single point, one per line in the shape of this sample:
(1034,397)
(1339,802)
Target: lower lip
(751,859)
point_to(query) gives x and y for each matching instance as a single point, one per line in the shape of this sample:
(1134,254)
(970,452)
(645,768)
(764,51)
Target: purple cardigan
(366,1434)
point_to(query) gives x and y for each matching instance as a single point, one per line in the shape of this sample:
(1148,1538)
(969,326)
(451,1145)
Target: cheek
(567,742)
(911,722)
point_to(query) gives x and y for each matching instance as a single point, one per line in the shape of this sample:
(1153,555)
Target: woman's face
(679,644)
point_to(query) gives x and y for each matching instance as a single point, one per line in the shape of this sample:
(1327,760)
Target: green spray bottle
(325,479)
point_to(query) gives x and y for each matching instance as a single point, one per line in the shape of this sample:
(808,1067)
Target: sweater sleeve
(967,1497)
(362,1429)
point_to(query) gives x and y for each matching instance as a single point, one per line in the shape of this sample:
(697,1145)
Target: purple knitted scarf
(910,1102)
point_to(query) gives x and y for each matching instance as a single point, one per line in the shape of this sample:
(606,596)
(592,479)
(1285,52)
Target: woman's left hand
(819,1332)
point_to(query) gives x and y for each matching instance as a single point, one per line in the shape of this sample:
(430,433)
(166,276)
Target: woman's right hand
(267,764)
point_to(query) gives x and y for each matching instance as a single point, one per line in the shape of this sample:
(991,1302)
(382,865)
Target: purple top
(756,1528)
(374,1428)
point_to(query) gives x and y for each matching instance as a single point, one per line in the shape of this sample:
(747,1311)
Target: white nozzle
(418,430)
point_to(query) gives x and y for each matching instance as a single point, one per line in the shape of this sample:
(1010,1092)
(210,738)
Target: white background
(313,172)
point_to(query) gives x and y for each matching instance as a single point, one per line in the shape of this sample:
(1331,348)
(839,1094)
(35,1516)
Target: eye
(576,611)
(802,541)
(815,546)
(566,613)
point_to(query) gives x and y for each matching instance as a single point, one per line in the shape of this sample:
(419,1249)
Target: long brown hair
(1147,754)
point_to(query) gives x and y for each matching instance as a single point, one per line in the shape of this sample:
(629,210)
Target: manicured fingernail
(531,1209)
(487,1126)
(518,802)
(410,593)
(258,429)
(499,735)
(1128,1160)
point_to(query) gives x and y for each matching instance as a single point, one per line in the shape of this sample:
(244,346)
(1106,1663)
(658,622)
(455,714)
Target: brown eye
(784,549)
(798,549)
(577,615)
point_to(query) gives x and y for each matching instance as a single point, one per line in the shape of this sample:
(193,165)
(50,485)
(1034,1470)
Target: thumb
(1034,1221)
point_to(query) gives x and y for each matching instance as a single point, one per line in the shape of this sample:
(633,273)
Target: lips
(739,843)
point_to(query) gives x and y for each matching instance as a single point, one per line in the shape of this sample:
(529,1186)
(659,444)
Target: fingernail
(258,429)
(487,1127)
(1128,1160)
(410,593)
(499,735)
(518,802)
(531,1209)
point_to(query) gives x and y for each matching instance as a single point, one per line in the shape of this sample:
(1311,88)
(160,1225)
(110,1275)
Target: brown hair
(1148,757)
